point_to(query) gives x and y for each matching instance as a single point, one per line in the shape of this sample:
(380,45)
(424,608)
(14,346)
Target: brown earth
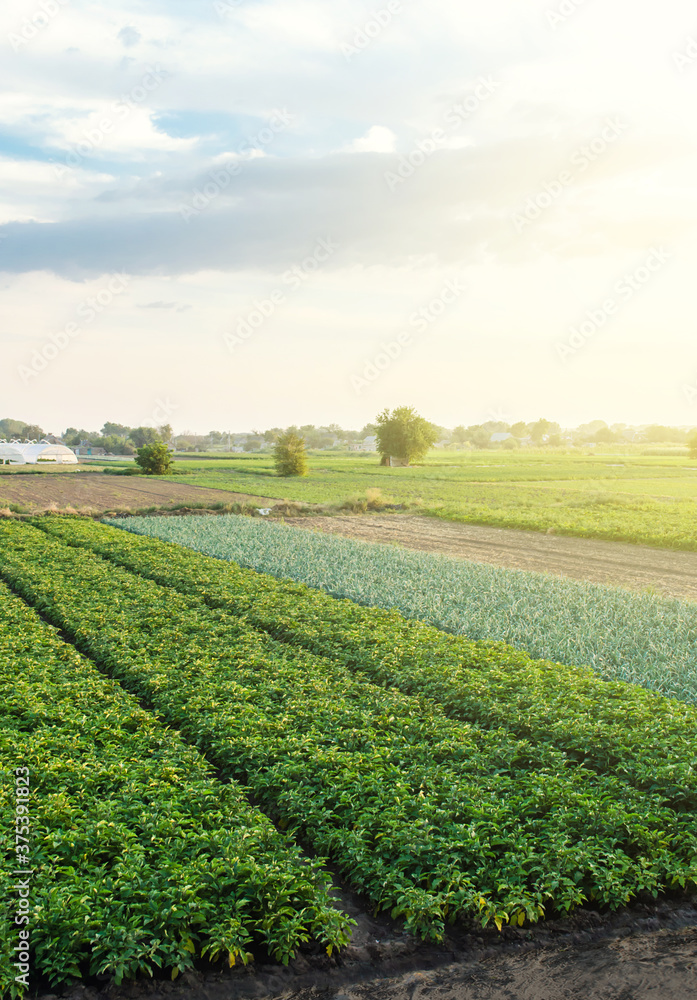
(97,492)
(644,953)
(637,567)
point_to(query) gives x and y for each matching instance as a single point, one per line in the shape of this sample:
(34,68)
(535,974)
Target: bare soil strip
(646,953)
(669,573)
(95,492)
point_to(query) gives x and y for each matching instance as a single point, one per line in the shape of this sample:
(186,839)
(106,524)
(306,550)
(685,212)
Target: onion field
(641,638)
(446,779)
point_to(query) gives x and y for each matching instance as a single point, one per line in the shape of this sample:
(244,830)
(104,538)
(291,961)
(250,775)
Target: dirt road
(634,566)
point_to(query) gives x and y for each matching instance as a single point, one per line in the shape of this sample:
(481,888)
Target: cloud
(377,139)
(176,306)
(129,36)
(450,206)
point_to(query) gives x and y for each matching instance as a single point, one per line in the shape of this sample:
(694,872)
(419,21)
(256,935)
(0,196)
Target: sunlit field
(632,497)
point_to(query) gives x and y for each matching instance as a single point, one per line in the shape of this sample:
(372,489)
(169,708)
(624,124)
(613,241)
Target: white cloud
(377,139)
(451,208)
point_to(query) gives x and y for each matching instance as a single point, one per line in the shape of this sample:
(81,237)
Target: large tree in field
(403,434)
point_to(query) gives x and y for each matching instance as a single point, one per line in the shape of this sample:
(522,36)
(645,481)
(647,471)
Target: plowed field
(95,493)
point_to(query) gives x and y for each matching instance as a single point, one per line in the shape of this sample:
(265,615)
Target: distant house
(500,436)
(369,443)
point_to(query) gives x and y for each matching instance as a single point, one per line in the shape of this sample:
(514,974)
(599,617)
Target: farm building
(33,452)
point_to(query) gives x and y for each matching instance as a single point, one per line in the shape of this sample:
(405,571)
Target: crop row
(141,858)
(642,638)
(648,740)
(430,817)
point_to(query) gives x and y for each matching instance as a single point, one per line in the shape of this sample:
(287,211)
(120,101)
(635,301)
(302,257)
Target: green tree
(604,436)
(140,436)
(115,430)
(154,459)
(403,434)
(692,444)
(479,435)
(460,435)
(10,428)
(32,431)
(289,454)
(73,436)
(114,444)
(542,429)
(658,434)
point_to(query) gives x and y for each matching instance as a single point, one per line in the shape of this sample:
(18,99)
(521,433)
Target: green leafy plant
(643,638)
(142,859)
(433,813)
(289,454)
(154,459)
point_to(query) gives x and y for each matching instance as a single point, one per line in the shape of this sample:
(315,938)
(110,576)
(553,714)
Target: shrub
(154,459)
(289,454)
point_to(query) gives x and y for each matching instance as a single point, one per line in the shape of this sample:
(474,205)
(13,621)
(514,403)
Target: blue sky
(539,155)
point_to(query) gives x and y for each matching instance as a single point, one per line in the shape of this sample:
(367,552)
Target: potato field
(210,746)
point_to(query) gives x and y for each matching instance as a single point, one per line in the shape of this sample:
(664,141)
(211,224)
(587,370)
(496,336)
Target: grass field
(645,499)
(445,779)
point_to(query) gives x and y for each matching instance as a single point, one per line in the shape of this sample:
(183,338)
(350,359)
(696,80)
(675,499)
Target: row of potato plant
(431,817)
(142,860)
(642,638)
(649,740)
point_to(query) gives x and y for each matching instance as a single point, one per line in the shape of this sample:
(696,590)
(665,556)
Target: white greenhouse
(34,452)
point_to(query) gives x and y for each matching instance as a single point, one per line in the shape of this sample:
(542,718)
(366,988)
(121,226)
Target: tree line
(121,439)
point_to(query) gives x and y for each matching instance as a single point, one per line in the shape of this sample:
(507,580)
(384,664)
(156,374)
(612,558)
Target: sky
(262,212)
